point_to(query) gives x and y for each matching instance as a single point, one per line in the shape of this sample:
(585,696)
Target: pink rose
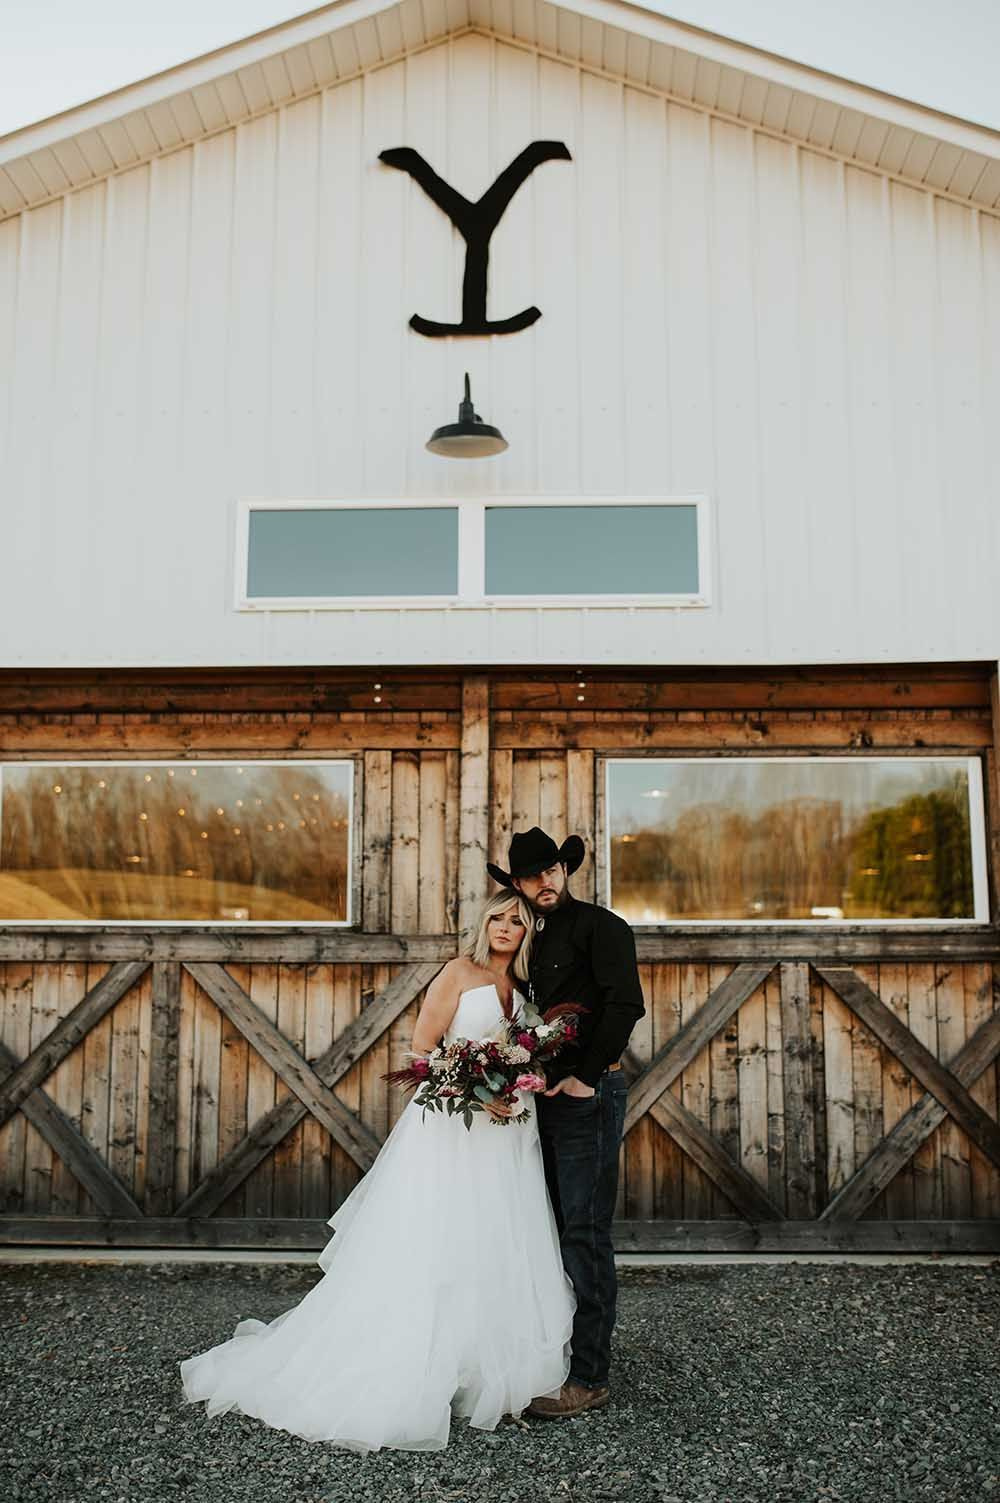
(530,1082)
(421,1067)
(526,1040)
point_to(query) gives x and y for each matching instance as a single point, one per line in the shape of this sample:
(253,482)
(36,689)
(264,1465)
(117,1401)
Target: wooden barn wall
(449,769)
(811,344)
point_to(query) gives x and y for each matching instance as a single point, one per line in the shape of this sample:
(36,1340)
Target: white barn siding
(813,345)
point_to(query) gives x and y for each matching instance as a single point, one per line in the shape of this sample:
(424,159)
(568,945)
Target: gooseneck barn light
(470,437)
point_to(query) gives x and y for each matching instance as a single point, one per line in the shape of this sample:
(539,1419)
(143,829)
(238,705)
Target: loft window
(877,840)
(159,842)
(303,553)
(593,549)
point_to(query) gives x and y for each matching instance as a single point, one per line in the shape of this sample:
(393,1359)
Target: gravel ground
(758,1384)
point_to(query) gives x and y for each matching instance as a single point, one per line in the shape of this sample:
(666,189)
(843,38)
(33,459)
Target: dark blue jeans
(581,1138)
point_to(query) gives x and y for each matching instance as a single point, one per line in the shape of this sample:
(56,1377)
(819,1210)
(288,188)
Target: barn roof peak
(336,42)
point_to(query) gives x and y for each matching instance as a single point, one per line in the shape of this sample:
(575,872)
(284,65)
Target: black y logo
(475,222)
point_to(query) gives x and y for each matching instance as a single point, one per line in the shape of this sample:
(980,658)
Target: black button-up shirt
(584,953)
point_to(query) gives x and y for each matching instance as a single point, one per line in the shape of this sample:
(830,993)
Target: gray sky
(943,53)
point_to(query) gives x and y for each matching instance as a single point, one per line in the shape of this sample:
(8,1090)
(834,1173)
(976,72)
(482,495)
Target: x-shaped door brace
(311,1087)
(946,1088)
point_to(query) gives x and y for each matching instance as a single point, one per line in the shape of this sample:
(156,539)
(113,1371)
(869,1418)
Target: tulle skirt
(443,1293)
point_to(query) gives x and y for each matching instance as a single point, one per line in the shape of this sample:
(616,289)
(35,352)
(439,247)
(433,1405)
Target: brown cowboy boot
(573,1398)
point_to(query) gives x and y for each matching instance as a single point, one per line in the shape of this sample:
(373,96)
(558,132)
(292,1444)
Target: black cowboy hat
(532,851)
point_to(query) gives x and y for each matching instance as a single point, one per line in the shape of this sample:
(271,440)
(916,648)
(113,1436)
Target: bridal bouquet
(490,1075)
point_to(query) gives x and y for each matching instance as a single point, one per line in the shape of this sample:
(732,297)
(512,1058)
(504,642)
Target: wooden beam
(66,1141)
(913,1128)
(756,732)
(311,1234)
(658,690)
(830,942)
(693,1137)
(288,946)
(474,811)
(376,847)
(67,1033)
(915,1057)
(180,738)
(163,1062)
(345,1051)
(690,1040)
(261,1034)
(739,1236)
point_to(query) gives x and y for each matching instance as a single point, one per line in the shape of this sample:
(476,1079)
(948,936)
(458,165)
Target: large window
(796,840)
(473,552)
(157,842)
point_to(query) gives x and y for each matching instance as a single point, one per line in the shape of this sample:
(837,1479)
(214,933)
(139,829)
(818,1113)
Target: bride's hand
(571,1087)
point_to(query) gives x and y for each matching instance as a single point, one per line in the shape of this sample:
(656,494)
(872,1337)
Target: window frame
(471,591)
(355,804)
(978,834)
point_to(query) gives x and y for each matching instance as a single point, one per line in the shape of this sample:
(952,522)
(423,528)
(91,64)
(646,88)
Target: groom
(586,954)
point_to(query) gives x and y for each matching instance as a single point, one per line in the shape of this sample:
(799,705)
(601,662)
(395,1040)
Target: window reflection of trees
(267,843)
(911,859)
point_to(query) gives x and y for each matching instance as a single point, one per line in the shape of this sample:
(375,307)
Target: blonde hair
(479,949)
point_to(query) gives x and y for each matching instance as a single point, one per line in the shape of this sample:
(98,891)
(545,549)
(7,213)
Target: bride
(443,1291)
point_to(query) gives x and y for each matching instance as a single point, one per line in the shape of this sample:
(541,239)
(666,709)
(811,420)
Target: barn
(701,563)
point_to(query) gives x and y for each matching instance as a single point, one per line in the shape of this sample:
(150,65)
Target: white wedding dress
(443,1292)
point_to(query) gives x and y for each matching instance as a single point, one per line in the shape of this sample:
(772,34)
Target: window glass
(592,550)
(257,842)
(317,552)
(789,839)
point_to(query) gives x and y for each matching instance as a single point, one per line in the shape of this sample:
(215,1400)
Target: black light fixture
(470,437)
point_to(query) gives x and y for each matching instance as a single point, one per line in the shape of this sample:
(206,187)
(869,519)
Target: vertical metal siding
(812,345)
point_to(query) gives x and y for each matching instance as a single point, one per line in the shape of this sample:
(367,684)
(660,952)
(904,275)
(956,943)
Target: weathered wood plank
(124,1102)
(922,1009)
(729,1177)
(201,737)
(65,1036)
(751,1042)
(915,1127)
(340,946)
(724,1093)
(377,848)
(695,1084)
(37,1153)
(731,1236)
(956,1178)
(776,1127)
(800,1144)
(287,1062)
(897,1093)
(866,1074)
(580,819)
(234,1068)
(344,1053)
(651,733)
(406,841)
(696,1033)
(162,1108)
(708,691)
(317,1145)
(66,1090)
(982,998)
(287,1156)
(501,806)
(430,880)
(473,829)
(65,1141)
(911,1053)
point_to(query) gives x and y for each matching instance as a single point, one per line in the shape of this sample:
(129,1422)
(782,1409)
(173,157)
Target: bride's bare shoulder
(459,971)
